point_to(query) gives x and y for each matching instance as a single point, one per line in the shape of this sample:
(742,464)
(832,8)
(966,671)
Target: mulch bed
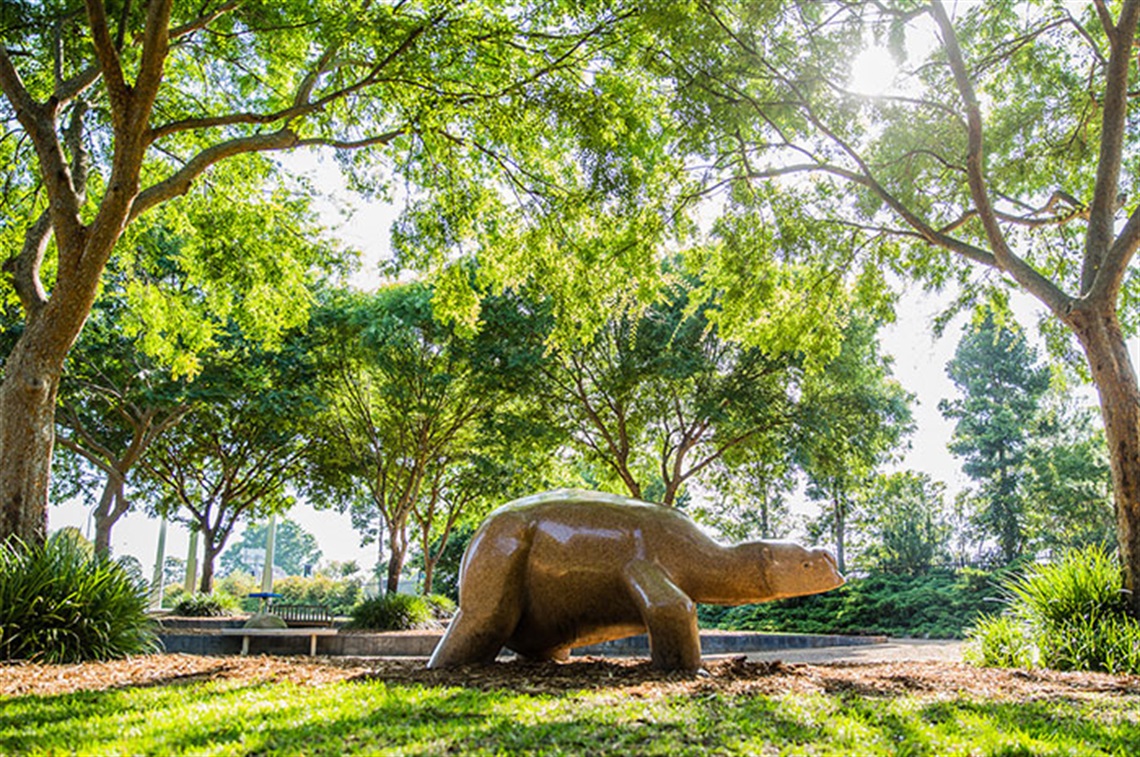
(626,677)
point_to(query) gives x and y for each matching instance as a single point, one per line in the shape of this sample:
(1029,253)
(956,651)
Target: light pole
(159,565)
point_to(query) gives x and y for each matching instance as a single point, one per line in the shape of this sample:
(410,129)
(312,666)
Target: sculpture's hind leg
(470,639)
(490,596)
(669,614)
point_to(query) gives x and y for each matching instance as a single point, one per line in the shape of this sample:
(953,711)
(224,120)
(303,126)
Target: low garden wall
(202,636)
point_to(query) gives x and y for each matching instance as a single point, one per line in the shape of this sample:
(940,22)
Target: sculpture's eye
(807,565)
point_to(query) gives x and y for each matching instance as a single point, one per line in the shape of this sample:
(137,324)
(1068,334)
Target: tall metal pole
(192,563)
(270,545)
(159,565)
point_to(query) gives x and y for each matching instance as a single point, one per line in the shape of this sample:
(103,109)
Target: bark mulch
(635,678)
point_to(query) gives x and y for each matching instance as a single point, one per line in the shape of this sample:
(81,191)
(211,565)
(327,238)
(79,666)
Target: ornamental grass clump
(61,603)
(1067,615)
(392,612)
(442,607)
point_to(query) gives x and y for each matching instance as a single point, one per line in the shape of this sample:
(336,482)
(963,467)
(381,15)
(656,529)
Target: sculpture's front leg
(669,614)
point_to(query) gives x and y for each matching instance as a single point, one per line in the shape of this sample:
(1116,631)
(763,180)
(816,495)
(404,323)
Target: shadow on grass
(378,716)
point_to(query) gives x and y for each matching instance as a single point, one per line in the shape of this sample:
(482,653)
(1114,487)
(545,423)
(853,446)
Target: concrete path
(894,650)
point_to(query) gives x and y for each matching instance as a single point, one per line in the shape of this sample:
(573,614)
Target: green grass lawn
(374,717)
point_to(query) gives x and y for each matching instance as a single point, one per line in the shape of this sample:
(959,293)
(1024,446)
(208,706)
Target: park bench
(298,615)
(302,620)
(275,633)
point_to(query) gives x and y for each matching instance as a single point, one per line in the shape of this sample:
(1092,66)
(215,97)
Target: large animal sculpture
(569,568)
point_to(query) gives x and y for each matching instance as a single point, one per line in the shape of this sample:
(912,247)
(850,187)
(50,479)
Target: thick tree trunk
(1115,380)
(429,572)
(27,435)
(209,556)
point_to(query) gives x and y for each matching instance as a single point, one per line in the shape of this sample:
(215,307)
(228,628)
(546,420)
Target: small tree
(405,399)
(853,417)
(750,488)
(657,399)
(233,458)
(904,519)
(114,403)
(295,549)
(1069,487)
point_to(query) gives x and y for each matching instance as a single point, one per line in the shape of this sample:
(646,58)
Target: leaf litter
(623,677)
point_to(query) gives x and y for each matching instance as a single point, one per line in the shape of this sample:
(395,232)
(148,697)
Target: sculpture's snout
(826,558)
(795,571)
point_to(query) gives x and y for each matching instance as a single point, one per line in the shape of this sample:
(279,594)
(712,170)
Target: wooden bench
(302,615)
(275,633)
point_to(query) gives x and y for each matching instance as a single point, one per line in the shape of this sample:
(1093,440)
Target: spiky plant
(61,603)
(1066,615)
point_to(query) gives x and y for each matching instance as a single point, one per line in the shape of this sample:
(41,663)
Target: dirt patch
(623,677)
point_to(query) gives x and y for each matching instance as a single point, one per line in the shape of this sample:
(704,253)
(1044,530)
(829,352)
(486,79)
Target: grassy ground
(230,716)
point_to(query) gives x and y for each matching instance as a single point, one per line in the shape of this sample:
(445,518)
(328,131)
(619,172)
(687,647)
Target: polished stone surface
(568,568)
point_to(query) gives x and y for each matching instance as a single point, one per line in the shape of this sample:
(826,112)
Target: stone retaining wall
(200,636)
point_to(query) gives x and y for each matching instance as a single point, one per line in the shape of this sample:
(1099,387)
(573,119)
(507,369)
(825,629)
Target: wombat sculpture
(568,568)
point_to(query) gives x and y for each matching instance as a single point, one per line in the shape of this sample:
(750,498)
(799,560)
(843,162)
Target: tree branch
(39,123)
(1026,275)
(204,20)
(180,181)
(1115,265)
(156,44)
(25,267)
(1100,281)
(1106,21)
(109,62)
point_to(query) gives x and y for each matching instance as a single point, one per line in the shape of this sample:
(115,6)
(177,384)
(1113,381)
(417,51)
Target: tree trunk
(429,572)
(105,515)
(1115,380)
(29,389)
(398,546)
(765,525)
(209,554)
(27,435)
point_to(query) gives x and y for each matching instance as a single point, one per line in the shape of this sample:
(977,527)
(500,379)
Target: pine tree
(1002,384)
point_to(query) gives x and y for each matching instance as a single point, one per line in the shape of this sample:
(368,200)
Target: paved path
(895,650)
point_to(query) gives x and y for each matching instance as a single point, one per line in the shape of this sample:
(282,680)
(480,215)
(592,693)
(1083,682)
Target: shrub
(937,605)
(442,606)
(999,641)
(240,586)
(61,603)
(392,612)
(1068,615)
(340,595)
(1082,584)
(206,605)
(172,594)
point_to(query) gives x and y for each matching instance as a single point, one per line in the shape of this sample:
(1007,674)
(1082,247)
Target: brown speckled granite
(568,568)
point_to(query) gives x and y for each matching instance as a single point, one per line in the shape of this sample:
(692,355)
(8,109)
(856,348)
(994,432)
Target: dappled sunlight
(587,707)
